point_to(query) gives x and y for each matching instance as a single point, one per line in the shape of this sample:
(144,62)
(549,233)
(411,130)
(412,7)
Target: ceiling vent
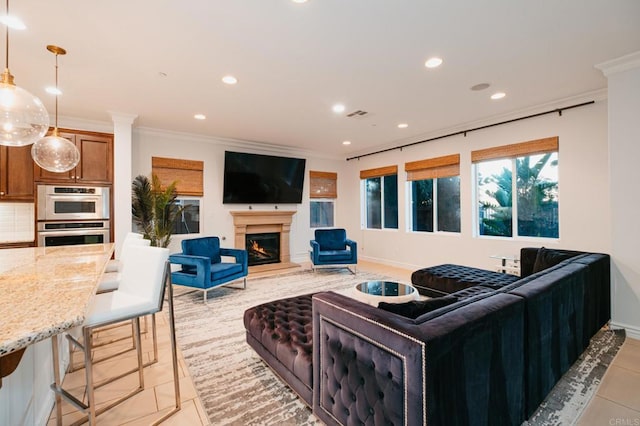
(357,114)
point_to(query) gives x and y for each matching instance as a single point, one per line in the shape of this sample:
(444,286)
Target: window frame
(433,169)
(378,173)
(333,207)
(512,153)
(435,202)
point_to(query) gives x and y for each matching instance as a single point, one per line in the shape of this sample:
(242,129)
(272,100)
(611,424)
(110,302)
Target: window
(435,194)
(517,189)
(380,194)
(189,221)
(322,192)
(321,214)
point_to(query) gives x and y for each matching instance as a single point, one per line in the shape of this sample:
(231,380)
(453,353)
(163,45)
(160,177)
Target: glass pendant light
(23,117)
(55,153)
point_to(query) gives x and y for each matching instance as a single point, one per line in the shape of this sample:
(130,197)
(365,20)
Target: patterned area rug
(237,388)
(570,396)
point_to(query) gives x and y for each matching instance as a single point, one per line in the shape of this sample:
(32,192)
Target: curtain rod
(464,132)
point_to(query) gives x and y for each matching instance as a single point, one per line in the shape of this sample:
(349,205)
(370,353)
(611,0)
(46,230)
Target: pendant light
(55,153)
(23,117)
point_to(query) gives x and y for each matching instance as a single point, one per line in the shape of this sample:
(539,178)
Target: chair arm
(239,254)
(315,248)
(352,244)
(202,264)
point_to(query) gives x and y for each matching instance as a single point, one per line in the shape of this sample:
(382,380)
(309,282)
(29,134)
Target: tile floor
(617,402)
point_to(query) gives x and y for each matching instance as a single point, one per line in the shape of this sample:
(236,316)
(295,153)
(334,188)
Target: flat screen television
(262,179)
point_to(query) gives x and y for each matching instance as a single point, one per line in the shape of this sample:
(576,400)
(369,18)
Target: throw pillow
(547,258)
(416,308)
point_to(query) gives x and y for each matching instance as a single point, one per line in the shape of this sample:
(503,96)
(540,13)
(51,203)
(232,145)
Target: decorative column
(623,76)
(121,196)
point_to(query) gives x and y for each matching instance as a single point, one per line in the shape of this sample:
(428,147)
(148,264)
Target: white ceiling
(294,61)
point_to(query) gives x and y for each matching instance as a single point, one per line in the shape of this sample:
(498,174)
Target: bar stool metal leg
(174,348)
(56,378)
(91,398)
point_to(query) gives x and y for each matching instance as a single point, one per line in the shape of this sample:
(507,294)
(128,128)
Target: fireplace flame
(255,247)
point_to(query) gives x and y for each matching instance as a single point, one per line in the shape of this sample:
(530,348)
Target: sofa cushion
(334,255)
(472,292)
(415,308)
(547,258)
(224,269)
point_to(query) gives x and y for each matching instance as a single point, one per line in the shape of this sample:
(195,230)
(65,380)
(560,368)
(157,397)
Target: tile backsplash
(17,222)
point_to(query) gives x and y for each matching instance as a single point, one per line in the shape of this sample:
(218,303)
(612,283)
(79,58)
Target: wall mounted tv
(262,179)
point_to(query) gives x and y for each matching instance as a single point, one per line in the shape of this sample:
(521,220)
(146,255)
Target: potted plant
(154,208)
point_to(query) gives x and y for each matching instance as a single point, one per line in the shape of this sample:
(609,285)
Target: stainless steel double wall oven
(69,215)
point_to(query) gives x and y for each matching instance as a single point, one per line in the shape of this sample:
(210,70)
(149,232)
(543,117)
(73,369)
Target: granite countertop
(46,290)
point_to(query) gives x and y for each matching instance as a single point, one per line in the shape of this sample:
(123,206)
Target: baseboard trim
(390,263)
(632,331)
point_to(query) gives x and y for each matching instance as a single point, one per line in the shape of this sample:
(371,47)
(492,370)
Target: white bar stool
(140,293)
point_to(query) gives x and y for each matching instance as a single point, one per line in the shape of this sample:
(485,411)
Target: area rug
(569,397)
(237,388)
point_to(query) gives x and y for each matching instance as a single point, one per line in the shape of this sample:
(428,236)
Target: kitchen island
(44,291)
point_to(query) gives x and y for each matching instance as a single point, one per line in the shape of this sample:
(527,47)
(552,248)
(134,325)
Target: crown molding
(621,64)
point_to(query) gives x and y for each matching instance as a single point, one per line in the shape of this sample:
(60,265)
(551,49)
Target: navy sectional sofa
(489,358)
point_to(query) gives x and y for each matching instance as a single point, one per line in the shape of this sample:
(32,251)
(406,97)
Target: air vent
(357,114)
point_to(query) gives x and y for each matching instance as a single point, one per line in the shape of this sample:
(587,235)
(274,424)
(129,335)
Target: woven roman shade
(378,172)
(323,184)
(432,168)
(538,146)
(187,173)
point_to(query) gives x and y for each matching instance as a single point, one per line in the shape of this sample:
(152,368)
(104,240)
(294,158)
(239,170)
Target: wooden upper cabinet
(16,173)
(96,160)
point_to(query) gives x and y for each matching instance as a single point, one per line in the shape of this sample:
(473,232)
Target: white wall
(215,218)
(624,150)
(583,187)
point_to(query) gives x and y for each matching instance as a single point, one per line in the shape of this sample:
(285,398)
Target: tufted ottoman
(444,279)
(281,333)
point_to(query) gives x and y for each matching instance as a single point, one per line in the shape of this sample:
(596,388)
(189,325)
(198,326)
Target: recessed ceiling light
(480,86)
(338,108)
(498,95)
(12,22)
(346,143)
(229,79)
(433,62)
(53,91)
(403,126)
(200,116)
(299,1)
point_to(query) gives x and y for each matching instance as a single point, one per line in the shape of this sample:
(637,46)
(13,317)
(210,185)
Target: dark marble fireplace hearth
(263,248)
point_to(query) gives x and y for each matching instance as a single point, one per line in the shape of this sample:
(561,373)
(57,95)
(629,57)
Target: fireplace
(265,222)
(263,248)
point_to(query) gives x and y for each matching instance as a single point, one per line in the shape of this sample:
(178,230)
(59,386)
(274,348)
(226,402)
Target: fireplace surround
(265,221)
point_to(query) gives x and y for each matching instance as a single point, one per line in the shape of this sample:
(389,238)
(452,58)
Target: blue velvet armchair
(332,247)
(202,267)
